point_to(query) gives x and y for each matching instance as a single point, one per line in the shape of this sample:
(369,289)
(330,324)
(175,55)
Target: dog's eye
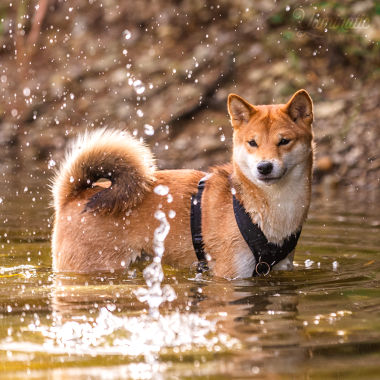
(252,143)
(284,142)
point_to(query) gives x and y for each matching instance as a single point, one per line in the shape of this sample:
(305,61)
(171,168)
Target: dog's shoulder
(221,176)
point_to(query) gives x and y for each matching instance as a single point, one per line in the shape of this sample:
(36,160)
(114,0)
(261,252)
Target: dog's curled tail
(125,162)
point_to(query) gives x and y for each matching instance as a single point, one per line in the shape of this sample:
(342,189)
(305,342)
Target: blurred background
(163,69)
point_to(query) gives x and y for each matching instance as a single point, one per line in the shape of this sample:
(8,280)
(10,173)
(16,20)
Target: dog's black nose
(264,167)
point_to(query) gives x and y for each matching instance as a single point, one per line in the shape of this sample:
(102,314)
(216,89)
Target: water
(320,321)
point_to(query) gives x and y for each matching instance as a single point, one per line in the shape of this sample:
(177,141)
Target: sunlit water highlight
(109,334)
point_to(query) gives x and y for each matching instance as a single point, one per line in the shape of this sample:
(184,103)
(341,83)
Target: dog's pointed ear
(240,111)
(300,107)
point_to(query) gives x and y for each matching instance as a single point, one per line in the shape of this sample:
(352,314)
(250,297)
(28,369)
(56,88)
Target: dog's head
(270,141)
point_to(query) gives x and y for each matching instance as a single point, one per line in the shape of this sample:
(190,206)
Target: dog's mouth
(270,179)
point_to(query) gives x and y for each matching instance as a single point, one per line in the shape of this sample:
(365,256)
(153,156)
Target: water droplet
(138,86)
(71,179)
(51,164)
(308,263)
(139,113)
(148,130)
(161,190)
(26,91)
(127,34)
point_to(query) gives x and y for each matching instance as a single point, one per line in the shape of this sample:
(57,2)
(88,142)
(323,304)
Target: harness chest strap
(266,254)
(196,226)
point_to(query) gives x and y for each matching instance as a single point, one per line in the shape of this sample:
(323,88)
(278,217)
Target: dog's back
(99,228)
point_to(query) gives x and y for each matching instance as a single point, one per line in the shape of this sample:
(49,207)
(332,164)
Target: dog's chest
(244,262)
(285,213)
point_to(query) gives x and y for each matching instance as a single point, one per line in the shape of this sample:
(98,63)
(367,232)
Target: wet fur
(100,228)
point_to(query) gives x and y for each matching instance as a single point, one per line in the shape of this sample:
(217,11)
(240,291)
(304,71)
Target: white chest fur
(286,211)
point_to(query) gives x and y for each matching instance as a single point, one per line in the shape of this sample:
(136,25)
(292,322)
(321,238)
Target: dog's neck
(279,209)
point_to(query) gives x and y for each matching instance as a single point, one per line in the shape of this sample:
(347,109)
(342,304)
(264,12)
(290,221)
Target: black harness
(266,254)
(196,226)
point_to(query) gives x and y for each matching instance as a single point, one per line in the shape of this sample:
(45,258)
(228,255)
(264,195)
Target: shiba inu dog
(105,199)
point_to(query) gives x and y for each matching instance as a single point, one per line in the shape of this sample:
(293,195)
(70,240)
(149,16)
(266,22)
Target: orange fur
(105,225)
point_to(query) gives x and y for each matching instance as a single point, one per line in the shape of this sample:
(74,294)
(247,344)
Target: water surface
(320,321)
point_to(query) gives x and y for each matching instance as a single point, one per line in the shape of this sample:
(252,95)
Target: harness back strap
(266,254)
(196,226)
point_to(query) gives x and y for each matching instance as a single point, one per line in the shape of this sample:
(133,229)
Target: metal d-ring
(262,268)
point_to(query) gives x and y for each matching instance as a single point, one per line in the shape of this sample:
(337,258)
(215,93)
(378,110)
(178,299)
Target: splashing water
(153,274)
(109,334)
